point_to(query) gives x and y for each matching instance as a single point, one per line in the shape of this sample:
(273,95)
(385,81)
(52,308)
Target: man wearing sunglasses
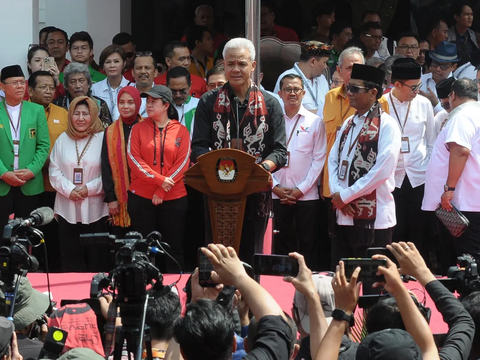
(415,120)
(444,62)
(125,40)
(362,166)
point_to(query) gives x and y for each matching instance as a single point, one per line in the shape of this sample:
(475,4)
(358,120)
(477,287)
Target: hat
(406,69)
(81,354)
(30,304)
(368,73)
(159,92)
(445,52)
(11,71)
(444,87)
(315,48)
(323,286)
(390,344)
(6,331)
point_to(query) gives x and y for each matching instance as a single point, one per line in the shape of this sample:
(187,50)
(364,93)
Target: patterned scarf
(364,158)
(253,125)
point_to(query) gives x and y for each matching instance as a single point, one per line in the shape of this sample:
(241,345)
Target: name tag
(288,159)
(78,176)
(56,121)
(405,147)
(342,174)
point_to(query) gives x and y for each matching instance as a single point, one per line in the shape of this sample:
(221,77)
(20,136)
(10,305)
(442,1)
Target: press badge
(78,176)
(342,174)
(288,159)
(405,147)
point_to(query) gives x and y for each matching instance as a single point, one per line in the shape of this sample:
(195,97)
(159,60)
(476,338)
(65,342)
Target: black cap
(406,69)
(11,71)
(444,87)
(368,73)
(390,344)
(159,92)
(6,331)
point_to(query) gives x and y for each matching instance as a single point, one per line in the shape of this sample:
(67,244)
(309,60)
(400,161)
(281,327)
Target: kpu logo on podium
(226,170)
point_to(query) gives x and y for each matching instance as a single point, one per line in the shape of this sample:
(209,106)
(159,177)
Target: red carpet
(77,286)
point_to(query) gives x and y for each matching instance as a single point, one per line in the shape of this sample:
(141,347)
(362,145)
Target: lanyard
(398,118)
(351,146)
(307,83)
(183,113)
(80,156)
(15,128)
(201,64)
(111,96)
(293,130)
(162,146)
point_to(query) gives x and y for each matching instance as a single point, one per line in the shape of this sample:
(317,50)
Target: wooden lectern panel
(227,220)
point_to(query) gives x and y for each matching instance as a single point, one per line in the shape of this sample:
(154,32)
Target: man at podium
(239,115)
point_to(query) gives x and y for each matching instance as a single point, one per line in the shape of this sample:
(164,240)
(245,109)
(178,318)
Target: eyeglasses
(292,90)
(374,37)
(407,47)
(180,91)
(442,66)
(354,89)
(414,88)
(477,81)
(44,88)
(143,53)
(16,83)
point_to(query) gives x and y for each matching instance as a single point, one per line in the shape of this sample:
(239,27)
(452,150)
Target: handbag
(453,220)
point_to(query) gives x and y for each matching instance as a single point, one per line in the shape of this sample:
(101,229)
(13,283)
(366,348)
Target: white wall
(17,29)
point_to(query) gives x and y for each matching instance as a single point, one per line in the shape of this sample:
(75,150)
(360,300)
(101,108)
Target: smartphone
(369,268)
(276,265)
(47,62)
(381,251)
(205,268)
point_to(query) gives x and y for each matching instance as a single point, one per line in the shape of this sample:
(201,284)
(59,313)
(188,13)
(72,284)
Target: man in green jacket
(24,147)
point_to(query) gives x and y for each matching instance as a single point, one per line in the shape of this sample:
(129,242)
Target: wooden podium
(227,176)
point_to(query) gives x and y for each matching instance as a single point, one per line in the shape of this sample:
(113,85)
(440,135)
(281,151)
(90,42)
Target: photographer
(8,341)
(472,305)
(207,329)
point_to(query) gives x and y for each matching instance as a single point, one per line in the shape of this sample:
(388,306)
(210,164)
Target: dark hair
(195,33)
(171,46)
(46,29)
(162,312)
(32,51)
(269,5)
(456,7)
(337,27)
(356,42)
(109,50)
(323,8)
(371,85)
(465,88)
(54,29)
(178,72)
(172,113)
(366,13)
(370,25)
(32,80)
(433,24)
(205,332)
(217,69)
(408,34)
(81,36)
(471,302)
(150,56)
(291,77)
(122,38)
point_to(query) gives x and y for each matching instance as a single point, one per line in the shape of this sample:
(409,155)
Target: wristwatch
(448,188)
(266,166)
(341,315)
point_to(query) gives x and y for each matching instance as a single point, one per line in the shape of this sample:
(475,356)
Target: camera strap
(110,328)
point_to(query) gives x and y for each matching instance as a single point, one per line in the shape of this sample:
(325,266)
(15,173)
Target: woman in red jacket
(158,156)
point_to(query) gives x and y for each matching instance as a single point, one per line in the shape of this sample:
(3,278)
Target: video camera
(463,278)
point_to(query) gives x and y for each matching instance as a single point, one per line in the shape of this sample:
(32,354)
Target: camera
(463,278)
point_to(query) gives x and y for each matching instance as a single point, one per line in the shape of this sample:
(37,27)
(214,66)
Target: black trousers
(15,202)
(194,228)
(345,243)
(298,229)
(167,218)
(412,221)
(75,257)
(452,247)
(52,240)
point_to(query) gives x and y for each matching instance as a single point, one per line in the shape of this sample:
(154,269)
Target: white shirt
(104,91)
(14,112)
(419,127)
(308,150)
(463,128)
(143,106)
(427,82)
(315,90)
(63,160)
(441,120)
(465,71)
(381,176)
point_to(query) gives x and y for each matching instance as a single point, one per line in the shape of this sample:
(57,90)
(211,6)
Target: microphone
(39,217)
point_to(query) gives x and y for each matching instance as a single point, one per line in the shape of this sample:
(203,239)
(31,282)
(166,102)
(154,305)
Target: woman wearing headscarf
(76,174)
(158,156)
(115,174)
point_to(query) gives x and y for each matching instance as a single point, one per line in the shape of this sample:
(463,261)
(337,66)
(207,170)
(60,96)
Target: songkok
(315,48)
(11,71)
(368,73)
(444,87)
(406,69)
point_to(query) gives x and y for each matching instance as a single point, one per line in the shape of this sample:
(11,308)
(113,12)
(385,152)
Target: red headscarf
(138,102)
